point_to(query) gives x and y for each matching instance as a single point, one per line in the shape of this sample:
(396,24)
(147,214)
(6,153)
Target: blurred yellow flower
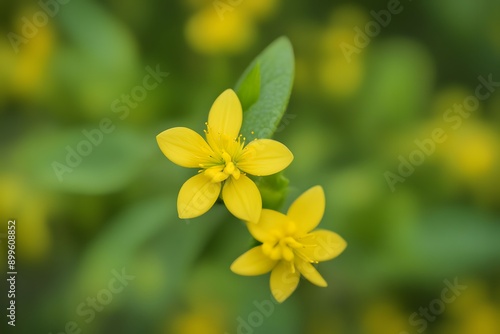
(289,247)
(208,33)
(338,78)
(30,210)
(32,61)
(224,161)
(474,312)
(349,15)
(204,318)
(259,9)
(482,319)
(385,317)
(472,151)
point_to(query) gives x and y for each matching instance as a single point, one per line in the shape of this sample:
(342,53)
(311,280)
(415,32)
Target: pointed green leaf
(276,66)
(249,89)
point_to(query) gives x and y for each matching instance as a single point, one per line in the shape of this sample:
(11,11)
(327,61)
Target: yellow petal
(264,157)
(242,198)
(225,116)
(307,210)
(310,273)
(284,281)
(184,147)
(321,245)
(197,196)
(269,225)
(253,263)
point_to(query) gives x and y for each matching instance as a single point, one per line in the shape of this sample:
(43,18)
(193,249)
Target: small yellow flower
(208,33)
(289,248)
(224,161)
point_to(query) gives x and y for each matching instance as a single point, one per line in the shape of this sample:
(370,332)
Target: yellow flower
(208,33)
(224,161)
(289,248)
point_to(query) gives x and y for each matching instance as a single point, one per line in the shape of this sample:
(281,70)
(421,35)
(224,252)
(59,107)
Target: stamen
(219,177)
(236,173)
(305,257)
(226,157)
(291,242)
(229,169)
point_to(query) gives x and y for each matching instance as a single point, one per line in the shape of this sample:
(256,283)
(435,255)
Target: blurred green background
(347,124)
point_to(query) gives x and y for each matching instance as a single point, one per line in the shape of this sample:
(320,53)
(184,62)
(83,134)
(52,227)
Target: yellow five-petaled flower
(224,161)
(289,248)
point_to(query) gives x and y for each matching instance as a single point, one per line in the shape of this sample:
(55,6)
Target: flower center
(227,151)
(224,170)
(229,166)
(283,248)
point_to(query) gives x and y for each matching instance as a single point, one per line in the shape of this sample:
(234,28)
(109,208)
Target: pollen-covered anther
(291,242)
(229,169)
(229,166)
(216,174)
(226,157)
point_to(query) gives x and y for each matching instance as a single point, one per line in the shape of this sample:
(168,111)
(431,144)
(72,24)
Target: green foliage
(264,90)
(101,49)
(249,89)
(111,165)
(274,190)
(150,230)
(274,71)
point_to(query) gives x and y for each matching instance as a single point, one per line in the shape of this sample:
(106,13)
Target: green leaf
(100,61)
(276,66)
(249,90)
(68,161)
(149,230)
(273,189)
(114,247)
